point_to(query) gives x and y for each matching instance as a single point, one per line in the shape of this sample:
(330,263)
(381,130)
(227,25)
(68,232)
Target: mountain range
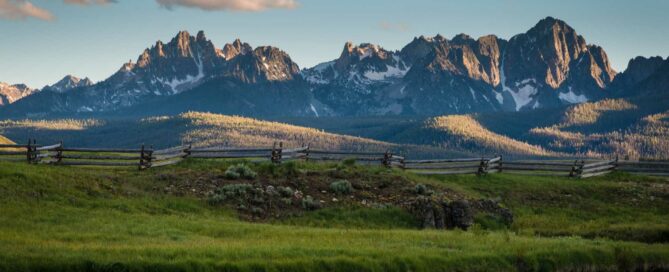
(549,66)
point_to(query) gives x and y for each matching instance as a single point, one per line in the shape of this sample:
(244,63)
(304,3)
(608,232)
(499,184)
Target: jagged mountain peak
(364,50)
(11,93)
(550,24)
(236,48)
(462,37)
(643,76)
(201,36)
(69,82)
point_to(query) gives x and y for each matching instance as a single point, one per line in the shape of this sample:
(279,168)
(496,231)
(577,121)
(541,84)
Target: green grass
(69,219)
(617,206)
(356,218)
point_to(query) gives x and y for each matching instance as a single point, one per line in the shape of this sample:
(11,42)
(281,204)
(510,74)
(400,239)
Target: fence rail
(146,157)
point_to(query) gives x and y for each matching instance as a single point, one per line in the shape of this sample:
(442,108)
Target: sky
(44,40)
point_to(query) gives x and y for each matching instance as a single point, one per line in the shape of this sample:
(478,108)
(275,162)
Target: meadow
(93,219)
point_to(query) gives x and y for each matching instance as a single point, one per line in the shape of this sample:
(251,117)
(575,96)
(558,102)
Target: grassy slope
(53,218)
(4,140)
(618,206)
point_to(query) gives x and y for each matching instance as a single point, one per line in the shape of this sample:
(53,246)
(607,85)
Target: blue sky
(94,40)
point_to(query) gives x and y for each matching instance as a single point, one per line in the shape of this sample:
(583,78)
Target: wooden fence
(147,157)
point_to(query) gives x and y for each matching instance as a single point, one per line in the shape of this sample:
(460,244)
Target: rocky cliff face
(12,93)
(551,65)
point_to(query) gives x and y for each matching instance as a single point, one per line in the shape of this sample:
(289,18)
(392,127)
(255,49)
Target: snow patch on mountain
(523,96)
(176,84)
(313,109)
(572,98)
(315,75)
(391,72)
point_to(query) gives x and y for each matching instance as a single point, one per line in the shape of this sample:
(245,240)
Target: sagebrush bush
(341,187)
(240,171)
(231,192)
(421,189)
(310,204)
(285,192)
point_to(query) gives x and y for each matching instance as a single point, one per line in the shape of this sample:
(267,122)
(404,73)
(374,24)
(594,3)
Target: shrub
(287,201)
(421,189)
(285,192)
(240,171)
(341,187)
(231,192)
(309,204)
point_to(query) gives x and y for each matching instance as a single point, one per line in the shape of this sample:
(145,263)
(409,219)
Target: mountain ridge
(548,66)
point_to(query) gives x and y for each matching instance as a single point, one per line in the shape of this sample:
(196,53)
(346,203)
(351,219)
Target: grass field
(91,219)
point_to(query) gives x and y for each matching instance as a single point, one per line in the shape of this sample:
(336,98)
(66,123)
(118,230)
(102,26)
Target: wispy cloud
(239,5)
(397,27)
(89,2)
(21,10)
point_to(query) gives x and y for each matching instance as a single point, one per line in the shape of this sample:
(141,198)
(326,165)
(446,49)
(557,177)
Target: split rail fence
(148,157)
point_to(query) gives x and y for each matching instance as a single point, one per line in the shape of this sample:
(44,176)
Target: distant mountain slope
(644,77)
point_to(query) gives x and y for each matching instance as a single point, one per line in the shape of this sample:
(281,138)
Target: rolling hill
(202,130)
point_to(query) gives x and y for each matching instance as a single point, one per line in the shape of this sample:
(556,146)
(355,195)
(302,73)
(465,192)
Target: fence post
(33,152)
(572,173)
(272,157)
(306,152)
(482,167)
(187,151)
(386,159)
(280,152)
(149,159)
(501,164)
(615,164)
(579,170)
(59,153)
(28,149)
(141,158)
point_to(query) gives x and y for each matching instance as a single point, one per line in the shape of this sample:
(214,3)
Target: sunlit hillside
(465,132)
(206,129)
(4,140)
(202,130)
(583,130)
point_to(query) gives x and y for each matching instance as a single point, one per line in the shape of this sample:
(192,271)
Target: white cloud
(241,5)
(21,10)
